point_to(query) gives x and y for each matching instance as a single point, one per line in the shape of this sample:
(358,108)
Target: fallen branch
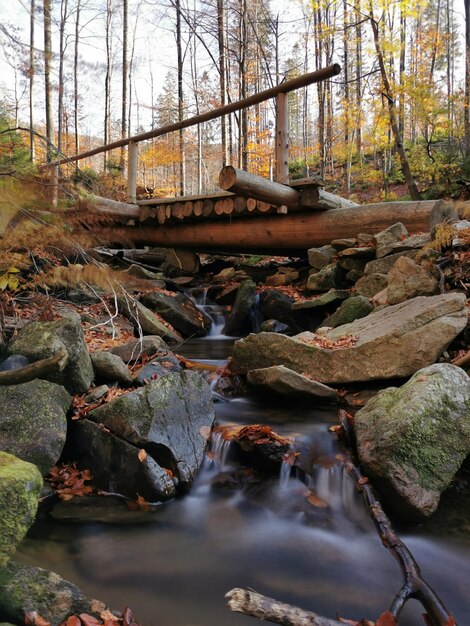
(256,605)
(39,369)
(414,585)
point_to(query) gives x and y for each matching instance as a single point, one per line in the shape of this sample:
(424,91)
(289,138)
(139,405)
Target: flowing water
(175,570)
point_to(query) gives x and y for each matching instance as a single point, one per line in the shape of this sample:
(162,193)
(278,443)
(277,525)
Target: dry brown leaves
(257,434)
(287,290)
(68,481)
(107,618)
(347,341)
(80,407)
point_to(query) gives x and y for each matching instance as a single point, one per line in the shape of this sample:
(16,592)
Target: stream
(176,569)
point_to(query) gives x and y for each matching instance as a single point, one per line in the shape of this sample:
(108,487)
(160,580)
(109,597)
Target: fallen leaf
(73,620)
(142,455)
(32,618)
(386,619)
(107,616)
(89,620)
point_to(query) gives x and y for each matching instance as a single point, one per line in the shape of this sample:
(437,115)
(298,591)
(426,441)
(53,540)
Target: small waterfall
(255,315)
(216,312)
(219,450)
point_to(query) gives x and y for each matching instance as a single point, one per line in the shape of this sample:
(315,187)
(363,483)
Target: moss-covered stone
(24,589)
(41,340)
(33,424)
(20,485)
(351,309)
(329,277)
(413,439)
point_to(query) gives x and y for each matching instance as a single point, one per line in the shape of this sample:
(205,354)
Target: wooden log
(252,186)
(316,198)
(250,205)
(97,204)
(161,214)
(197,209)
(219,207)
(263,207)
(168,211)
(296,231)
(227,206)
(239,204)
(256,605)
(39,369)
(188,208)
(207,207)
(177,211)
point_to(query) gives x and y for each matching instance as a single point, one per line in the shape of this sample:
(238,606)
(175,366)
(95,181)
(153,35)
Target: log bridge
(248,213)
(252,214)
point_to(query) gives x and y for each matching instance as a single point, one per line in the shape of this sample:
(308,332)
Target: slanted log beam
(251,186)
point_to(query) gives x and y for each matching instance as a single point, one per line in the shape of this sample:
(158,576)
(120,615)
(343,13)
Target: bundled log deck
(296,231)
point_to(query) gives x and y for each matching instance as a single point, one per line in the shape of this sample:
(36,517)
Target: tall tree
(125,73)
(48,79)
(31,72)
(466,108)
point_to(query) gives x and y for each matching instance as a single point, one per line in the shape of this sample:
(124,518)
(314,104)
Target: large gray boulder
(20,486)
(411,440)
(24,589)
(386,239)
(408,279)
(41,340)
(170,418)
(145,321)
(33,423)
(394,342)
(179,311)
(136,348)
(284,381)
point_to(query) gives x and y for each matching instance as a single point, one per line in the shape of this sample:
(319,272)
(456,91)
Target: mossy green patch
(20,485)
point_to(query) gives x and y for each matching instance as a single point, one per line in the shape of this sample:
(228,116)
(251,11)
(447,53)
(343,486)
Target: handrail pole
(285,87)
(132,165)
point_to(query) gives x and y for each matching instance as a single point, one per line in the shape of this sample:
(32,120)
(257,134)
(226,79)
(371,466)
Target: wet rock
(407,279)
(170,417)
(319,257)
(24,589)
(239,320)
(286,382)
(179,311)
(351,309)
(41,340)
(83,296)
(96,394)
(386,239)
(276,305)
(273,326)
(115,463)
(329,277)
(133,350)
(141,272)
(20,487)
(371,284)
(412,439)
(99,509)
(145,321)
(385,264)
(394,342)
(331,297)
(14,362)
(110,368)
(162,365)
(33,422)
(283,276)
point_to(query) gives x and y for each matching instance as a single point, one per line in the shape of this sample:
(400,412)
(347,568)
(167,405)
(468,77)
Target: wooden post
(54,185)
(132,163)
(282,139)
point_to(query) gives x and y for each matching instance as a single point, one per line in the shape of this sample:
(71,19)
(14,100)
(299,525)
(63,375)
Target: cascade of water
(255,315)
(216,312)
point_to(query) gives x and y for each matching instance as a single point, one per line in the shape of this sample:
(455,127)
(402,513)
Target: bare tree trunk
(62,45)
(405,166)
(47,79)
(357,7)
(180,96)
(75,80)
(243,129)
(31,81)
(107,81)
(125,72)
(347,175)
(467,80)
(401,98)
(222,76)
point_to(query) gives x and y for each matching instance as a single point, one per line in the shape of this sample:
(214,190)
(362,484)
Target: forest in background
(398,113)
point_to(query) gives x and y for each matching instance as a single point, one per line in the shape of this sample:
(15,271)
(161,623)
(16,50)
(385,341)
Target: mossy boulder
(412,440)
(351,309)
(20,485)
(41,340)
(24,589)
(110,368)
(33,424)
(329,277)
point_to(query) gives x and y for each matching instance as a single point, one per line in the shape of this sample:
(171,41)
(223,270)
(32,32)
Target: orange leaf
(89,620)
(386,619)
(142,455)
(73,620)
(450,621)
(32,618)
